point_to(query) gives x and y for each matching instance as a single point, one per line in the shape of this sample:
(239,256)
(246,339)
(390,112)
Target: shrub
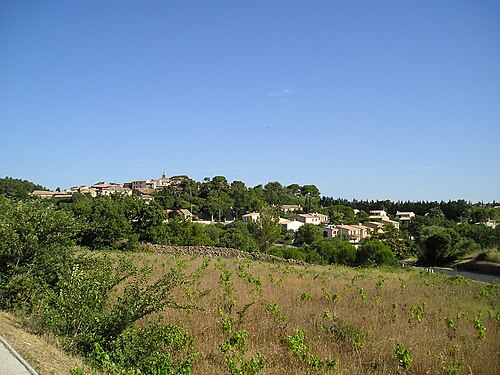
(375,252)
(152,349)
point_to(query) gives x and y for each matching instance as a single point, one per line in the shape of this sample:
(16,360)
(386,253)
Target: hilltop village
(293,216)
(294,206)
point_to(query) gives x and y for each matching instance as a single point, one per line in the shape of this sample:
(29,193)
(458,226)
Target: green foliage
(417,311)
(266,229)
(274,310)
(296,343)
(336,250)
(17,189)
(103,314)
(36,244)
(404,356)
(479,326)
(375,252)
(436,245)
(308,234)
(151,349)
(399,241)
(344,332)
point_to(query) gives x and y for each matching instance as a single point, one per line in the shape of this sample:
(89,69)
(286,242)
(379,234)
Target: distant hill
(16,188)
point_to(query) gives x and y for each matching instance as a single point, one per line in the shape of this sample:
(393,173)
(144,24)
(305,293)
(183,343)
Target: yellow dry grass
(373,310)
(381,305)
(43,353)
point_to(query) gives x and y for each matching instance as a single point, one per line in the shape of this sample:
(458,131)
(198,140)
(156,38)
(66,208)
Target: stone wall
(225,252)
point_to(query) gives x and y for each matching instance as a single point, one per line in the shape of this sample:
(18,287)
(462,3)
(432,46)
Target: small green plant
(244,274)
(345,332)
(417,311)
(306,296)
(274,310)
(380,282)
(404,356)
(234,349)
(479,326)
(297,345)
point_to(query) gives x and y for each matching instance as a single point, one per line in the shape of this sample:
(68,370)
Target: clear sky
(365,99)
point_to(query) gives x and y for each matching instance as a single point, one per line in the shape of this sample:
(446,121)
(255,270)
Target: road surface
(11,363)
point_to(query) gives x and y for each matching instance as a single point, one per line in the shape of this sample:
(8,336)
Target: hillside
(285,319)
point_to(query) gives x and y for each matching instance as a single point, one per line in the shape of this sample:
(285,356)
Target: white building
(312,218)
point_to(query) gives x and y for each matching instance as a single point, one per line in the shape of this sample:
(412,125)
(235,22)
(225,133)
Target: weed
(274,310)
(306,296)
(479,326)
(404,356)
(417,311)
(297,345)
(344,332)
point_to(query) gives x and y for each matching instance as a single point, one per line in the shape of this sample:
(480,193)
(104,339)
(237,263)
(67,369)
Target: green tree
(16,188)
(375,252)
(435,245)
(266,229)
(36,242)
(308,233)
(399,241)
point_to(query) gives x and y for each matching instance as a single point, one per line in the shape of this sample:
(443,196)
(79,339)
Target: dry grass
(383,315)
(43,353)
(377,310)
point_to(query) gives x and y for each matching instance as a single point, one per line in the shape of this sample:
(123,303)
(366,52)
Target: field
(247,317)
(289,319)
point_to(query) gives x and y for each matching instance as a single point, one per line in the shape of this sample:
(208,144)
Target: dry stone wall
(225,252)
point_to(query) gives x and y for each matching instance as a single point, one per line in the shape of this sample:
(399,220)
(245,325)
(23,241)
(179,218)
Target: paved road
(9,363)
(466,274)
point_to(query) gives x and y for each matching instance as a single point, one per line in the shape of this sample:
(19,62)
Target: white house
(312,218)
(378,215)
(290,224)
(405,216)
(252,216)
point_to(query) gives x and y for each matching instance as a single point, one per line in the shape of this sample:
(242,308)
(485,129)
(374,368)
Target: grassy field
(335,319)
(277,318)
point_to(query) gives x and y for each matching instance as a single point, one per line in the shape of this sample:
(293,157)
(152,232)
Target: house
(395,224)
(378,215)
(144,193)
(405,216)
(293,225)
(330,231)
(351,231)
(375,226)
(288,208)
(312,218)
(252,216)
(87,190)
(44,194)
(115,190)
(184,213)
(47,194)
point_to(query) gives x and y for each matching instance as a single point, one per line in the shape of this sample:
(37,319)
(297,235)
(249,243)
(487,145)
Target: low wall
(225,252)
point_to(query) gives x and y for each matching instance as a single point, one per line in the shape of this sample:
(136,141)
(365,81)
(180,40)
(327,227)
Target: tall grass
(339,320)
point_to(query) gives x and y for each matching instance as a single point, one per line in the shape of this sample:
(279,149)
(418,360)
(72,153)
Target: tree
(399,241)
(375,252)
(336,250)
(435,245)
(36,244)
(16,188)
(266,229)
(308,233)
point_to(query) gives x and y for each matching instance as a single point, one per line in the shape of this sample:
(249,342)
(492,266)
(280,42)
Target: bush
(375,252)
(36,244)
(151,349)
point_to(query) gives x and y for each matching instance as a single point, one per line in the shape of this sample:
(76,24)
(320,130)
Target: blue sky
(365,99)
